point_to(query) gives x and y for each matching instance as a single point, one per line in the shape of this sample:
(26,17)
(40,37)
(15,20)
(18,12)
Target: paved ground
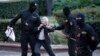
(10,53)
(15,46)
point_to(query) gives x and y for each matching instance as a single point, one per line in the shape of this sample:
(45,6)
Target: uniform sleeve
(38,22)
(12,23)
(60,27)
(91,31)
(50,30)
(94,42)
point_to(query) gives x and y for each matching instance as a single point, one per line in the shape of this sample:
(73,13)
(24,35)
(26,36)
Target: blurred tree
(59,4)
(49,6)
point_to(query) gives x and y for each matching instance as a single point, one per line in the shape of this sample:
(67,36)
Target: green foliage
(91,13)
(9,9)
(96,2)
(83,3)
(58,38)
(42,7)
(59,4)
(96,26)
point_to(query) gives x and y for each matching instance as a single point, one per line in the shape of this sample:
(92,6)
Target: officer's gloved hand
(5,39)
(54,27)
(41,25)
(8,27)
(93,45)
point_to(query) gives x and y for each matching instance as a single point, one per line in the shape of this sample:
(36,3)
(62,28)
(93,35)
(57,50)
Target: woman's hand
(41,25)
(50,27)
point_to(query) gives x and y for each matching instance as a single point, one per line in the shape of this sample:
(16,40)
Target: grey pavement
(11,53)
(13,49)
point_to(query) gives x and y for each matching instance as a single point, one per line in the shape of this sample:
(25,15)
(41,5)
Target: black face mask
(80,22)
(32,6)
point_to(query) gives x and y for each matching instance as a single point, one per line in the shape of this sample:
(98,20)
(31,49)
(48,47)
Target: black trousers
(27,37)
(84,51)
(46,45)
(71,47)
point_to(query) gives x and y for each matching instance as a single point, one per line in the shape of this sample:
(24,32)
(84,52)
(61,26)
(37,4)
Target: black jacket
(29,21)
(86,32)
(46,31)
(69,27)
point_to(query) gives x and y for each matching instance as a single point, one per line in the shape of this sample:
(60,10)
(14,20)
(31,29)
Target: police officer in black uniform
(30,20)
(86,39)
(69,26)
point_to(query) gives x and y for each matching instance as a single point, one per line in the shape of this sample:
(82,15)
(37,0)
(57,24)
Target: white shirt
(41,35)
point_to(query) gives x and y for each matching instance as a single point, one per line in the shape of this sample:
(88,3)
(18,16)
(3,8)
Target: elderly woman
(43,37)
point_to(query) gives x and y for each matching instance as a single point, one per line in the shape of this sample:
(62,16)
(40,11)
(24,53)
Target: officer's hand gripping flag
(10,33)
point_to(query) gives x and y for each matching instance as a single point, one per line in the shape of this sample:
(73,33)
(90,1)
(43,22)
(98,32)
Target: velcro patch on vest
(83,32)
(71,23)
(34,17)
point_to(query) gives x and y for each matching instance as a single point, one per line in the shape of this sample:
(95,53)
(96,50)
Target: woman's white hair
(45,18)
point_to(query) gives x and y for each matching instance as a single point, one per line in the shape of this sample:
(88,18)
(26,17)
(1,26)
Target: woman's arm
(60,27)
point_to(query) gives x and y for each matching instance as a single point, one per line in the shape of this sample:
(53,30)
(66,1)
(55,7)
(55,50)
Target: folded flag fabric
(10,33)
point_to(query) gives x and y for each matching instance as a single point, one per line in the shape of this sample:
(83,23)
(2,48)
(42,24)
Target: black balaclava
(32,6)
(66,11)
(80,22)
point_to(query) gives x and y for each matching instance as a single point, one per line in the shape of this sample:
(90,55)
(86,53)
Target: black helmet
(66,11)
(80,22)
(32,6)
(81,15)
